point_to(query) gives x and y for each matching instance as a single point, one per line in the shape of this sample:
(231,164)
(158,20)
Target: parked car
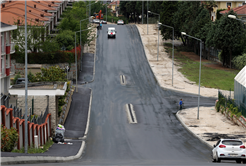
(229,149)
(120,22)
(20,81)
(96,21)
(104,22)
(111,32)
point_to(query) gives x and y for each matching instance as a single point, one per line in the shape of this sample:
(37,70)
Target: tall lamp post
(183,33)
(26,135)
(158,33)
(76,58)
(80,42)
(90,8)
(234,17)
(147,17)
(173,47)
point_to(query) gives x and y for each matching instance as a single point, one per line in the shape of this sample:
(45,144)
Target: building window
(228,4)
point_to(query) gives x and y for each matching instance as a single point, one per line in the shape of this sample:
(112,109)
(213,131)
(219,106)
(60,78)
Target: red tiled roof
(241,10)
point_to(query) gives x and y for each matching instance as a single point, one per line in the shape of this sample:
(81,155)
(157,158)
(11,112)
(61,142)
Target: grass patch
(32,150)
(210,78)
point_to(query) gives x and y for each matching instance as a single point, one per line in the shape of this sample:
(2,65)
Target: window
(228,4)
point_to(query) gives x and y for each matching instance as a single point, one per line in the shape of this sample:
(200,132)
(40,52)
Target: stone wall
(20,68)
(40,104)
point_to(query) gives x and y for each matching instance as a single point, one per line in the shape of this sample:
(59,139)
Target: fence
(40,126)
(227,101)
(209,53)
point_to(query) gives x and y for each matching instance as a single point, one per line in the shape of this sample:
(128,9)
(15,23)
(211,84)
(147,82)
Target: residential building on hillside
(223,4)
(241,11)
(7,48)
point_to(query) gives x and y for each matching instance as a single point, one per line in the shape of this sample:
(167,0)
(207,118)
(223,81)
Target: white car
(229,149)
(120,22)
(111,32)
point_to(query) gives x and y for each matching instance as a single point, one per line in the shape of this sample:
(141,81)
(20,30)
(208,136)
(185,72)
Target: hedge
(44,58)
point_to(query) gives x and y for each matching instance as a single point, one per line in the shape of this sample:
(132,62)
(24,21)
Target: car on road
(229,149)
(120,22)
(111,32)
(96,21)
(104,22)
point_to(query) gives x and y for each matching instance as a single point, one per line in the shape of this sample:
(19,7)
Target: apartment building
(7,48)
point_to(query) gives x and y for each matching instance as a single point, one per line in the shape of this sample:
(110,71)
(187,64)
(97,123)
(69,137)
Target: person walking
(180,104)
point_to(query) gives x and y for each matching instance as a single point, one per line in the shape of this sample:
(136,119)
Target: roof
(241,10)
(240,77)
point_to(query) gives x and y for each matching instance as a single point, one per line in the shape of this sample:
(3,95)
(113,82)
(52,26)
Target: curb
(164,88)
(43,159)
(204,142)
(88,119)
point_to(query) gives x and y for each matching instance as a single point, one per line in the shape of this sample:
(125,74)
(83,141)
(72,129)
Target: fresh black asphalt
(75,123)
(158,138)
(86,75)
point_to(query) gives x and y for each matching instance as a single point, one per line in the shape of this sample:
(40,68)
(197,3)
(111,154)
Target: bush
(15,78)
(45,58)
(31,77)
(9,138)
(239,61)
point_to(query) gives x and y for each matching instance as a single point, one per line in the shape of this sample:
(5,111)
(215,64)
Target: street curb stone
(177,115)
(43,159)
(88,119)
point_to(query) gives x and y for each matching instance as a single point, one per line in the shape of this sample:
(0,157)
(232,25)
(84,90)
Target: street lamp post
(76,59)
(234,17)
(158,33)
(90,8)
(183,33)
(147,17)
(80,44)
(26,134)
(142,10)
(173,47)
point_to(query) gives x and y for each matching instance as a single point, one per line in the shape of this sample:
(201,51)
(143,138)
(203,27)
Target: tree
(229,36)
(66,39)
(52,74)
(166,17)
(35,36)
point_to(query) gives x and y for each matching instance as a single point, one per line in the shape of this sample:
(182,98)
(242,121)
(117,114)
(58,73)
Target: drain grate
(131,114)
(122,79)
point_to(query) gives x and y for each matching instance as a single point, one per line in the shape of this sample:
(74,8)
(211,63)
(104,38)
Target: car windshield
(232,142)
(111,30)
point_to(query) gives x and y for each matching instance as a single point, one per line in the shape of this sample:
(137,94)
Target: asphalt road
(158,138)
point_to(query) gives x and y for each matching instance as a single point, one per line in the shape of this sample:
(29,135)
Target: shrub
(9,138)
(15,78)
(31,77)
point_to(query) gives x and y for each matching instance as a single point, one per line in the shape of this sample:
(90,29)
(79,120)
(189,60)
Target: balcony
(12,47)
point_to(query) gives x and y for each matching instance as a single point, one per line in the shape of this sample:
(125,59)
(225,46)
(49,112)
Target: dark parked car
(20,81)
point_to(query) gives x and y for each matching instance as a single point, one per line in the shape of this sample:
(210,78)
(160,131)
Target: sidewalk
(211,125)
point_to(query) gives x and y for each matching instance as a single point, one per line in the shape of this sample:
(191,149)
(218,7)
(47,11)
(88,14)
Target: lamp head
(232,16)
(149,11)
(183,33)
(160,23)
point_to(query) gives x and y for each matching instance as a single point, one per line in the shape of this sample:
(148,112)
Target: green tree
(52,74)
(66,39)
(229,36)
(166,17)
